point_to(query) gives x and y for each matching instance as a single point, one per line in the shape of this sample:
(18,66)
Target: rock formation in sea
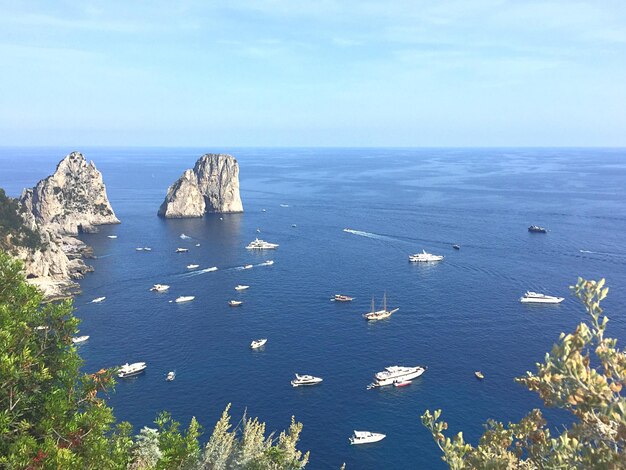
(212,186)
(71,200)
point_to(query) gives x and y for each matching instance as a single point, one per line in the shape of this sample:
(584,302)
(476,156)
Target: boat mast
(385,301)
(373,309)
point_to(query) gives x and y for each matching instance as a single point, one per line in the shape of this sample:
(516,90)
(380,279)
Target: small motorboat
(241,287)
(112,237)
(197,244)
(184,237)
(341,298)
(269,262)
(284,205)
(294,225)
(479,375)
(171,375)
(403,383)
(537,229)
(235,303)
(147,248)
(184,298)
(130,370)
(263,210)
(159,287)
(456,247)
(211,269)
(140,248)
(258,343)
(258,230)
(80,339)
(181,250)
(302,380)
(537,298)
(248,266)
(221,218)
(193,266)
(97,300)
(366,437)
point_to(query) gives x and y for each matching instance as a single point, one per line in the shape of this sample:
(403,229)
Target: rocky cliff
(71,200)
(212,186)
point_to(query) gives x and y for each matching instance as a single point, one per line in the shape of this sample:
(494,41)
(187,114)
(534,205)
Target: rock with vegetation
(211,186)
(583,374)
(71,200)
(54,416)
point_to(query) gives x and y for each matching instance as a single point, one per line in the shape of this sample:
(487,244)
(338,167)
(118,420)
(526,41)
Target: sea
(457,316)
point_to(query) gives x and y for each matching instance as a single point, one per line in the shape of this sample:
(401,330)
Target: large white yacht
(536,298)
(366,437)
(261,245)
(396,374)
(301,380)
(424,257)
(129,370)
(184,298)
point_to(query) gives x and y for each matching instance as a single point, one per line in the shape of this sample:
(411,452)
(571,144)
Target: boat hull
(555,300)
(403,378)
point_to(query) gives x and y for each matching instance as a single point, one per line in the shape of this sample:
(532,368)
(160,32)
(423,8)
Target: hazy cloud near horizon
(281,72)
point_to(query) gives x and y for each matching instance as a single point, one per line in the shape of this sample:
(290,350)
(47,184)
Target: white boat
(184,298)
(182,250)
(113,237)
(97,300)
(261,245)
(375,315)
(241,287)
(263,210)
(536,298)
(258,230)
(159,287)
(235,303)
(193,266)
(257,343)
(248,266)
(302,380)
(80,339)
(130,370)
(424,257)
(147,248)
(171,375)
(269,262)
(294,225)
(396,374)
(284,205)
(366,437)
(210,270)
(139,248)
(184,237)
(197,244)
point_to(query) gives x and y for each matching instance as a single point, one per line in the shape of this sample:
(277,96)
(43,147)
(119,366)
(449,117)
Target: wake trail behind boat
(374,236)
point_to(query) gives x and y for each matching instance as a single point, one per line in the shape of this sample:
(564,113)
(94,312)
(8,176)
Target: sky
(406,73)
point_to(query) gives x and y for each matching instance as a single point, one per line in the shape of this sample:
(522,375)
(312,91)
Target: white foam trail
(367,234)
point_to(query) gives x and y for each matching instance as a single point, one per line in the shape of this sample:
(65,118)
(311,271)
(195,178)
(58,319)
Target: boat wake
(374,236)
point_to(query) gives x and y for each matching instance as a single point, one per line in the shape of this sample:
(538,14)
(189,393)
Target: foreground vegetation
(583,374)
(54,416)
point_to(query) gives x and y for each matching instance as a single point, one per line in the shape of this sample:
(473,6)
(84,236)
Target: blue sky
(313,73)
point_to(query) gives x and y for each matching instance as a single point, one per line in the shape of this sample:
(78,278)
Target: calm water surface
(455,317)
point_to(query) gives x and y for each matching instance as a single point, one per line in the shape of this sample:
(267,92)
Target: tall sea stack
(212,186)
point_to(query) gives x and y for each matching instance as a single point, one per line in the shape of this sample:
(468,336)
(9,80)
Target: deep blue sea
(456,317)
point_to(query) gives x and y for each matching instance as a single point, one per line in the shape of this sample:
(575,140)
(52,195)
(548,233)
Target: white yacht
(248,266)
(112,237)
(235,303)
(184,298)
(241,287)
(396,374)
(366,437)
(140,248)
(261,245)
(129,370)
(193,266)
(302,380)
(182,250)
(80,339)
(375,315)
(424,257)
(257,343)
(147,248)
(536,298)
(211,269)
(97,300)
(269,262)
(159,287)
(197,244)
(171,375)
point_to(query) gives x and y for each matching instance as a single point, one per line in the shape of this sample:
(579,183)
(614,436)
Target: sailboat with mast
(376,315)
